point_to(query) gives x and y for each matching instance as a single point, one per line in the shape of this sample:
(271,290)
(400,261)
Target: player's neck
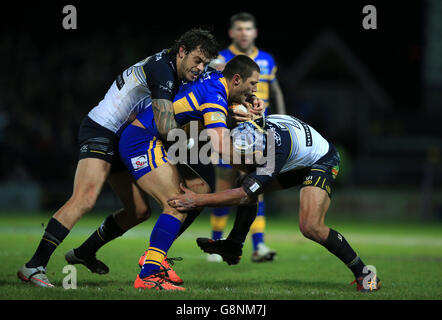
(248,51)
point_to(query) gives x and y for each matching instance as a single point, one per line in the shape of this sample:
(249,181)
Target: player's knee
(85,200)
(175,213)
(142,214)
(310,229)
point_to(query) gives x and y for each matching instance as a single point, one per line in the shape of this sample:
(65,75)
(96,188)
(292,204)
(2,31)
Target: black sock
(245,215)
(108,230)
(337,245)
(191,216)
(54,234)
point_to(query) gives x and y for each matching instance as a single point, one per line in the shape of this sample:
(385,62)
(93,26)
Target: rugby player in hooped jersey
(301,156)
(151,83)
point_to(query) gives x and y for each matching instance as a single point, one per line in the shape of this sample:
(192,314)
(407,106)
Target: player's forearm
(221,143)
(164,116)
(227,198)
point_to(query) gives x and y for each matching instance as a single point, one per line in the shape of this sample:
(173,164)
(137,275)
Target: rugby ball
(239,107)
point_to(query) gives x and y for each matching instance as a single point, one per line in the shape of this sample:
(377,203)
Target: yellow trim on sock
(50,242)
(218,223)
(158,250)
(259,225)
(154,256)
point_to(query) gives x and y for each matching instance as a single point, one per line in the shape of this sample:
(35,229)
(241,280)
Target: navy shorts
(96,141)
(322,174)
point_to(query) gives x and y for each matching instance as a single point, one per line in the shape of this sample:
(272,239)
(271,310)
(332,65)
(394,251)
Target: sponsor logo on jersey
(335,171)
(220,97)
(278,140)
(263,66)
(218,116)
(139,162)
(165,88)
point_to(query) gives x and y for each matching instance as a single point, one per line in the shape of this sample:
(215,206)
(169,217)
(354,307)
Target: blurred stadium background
(376,94)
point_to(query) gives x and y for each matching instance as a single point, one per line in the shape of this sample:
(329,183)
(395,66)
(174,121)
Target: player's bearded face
(193,64)
(243,34)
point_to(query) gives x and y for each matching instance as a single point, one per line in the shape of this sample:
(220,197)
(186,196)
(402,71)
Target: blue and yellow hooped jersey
(265,62)
(205,100)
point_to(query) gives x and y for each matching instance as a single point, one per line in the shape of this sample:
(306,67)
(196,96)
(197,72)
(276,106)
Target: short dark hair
(242,16)
(242,65)
(195,38)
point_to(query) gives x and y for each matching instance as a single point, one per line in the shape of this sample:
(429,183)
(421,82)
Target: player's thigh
(135,200)
(90,176)
(225,177)
(161,184)
(194,179)
(313,205)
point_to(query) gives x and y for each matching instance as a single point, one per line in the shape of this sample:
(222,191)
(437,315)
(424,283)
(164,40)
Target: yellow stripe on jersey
(224,82)
(212,106)
(263,90)
(182,105)
(193,98)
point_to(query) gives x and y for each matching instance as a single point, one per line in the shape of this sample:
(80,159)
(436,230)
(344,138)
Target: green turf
(408,258)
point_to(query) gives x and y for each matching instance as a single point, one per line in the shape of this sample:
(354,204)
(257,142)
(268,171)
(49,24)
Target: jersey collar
(252,55)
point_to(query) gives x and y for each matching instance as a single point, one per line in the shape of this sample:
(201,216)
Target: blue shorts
(141,151)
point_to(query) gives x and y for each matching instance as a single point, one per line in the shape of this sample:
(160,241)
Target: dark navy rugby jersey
(161,75)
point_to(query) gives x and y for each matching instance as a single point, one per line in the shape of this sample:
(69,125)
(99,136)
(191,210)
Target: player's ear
(231,33)
(236,79)
(182,52)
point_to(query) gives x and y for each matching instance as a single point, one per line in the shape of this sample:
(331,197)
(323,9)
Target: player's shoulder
(162,59)
(265,56)
(212,86)
(210,79)
(227,54)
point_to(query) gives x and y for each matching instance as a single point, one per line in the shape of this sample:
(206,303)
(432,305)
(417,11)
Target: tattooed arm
(164,116)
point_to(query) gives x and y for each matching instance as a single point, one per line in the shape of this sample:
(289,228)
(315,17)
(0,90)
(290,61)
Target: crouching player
(296,154)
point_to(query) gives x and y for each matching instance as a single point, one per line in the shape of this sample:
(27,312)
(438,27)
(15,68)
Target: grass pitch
(408,258)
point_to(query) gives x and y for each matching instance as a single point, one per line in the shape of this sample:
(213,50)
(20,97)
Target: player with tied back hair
(149,84)
(301,157)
